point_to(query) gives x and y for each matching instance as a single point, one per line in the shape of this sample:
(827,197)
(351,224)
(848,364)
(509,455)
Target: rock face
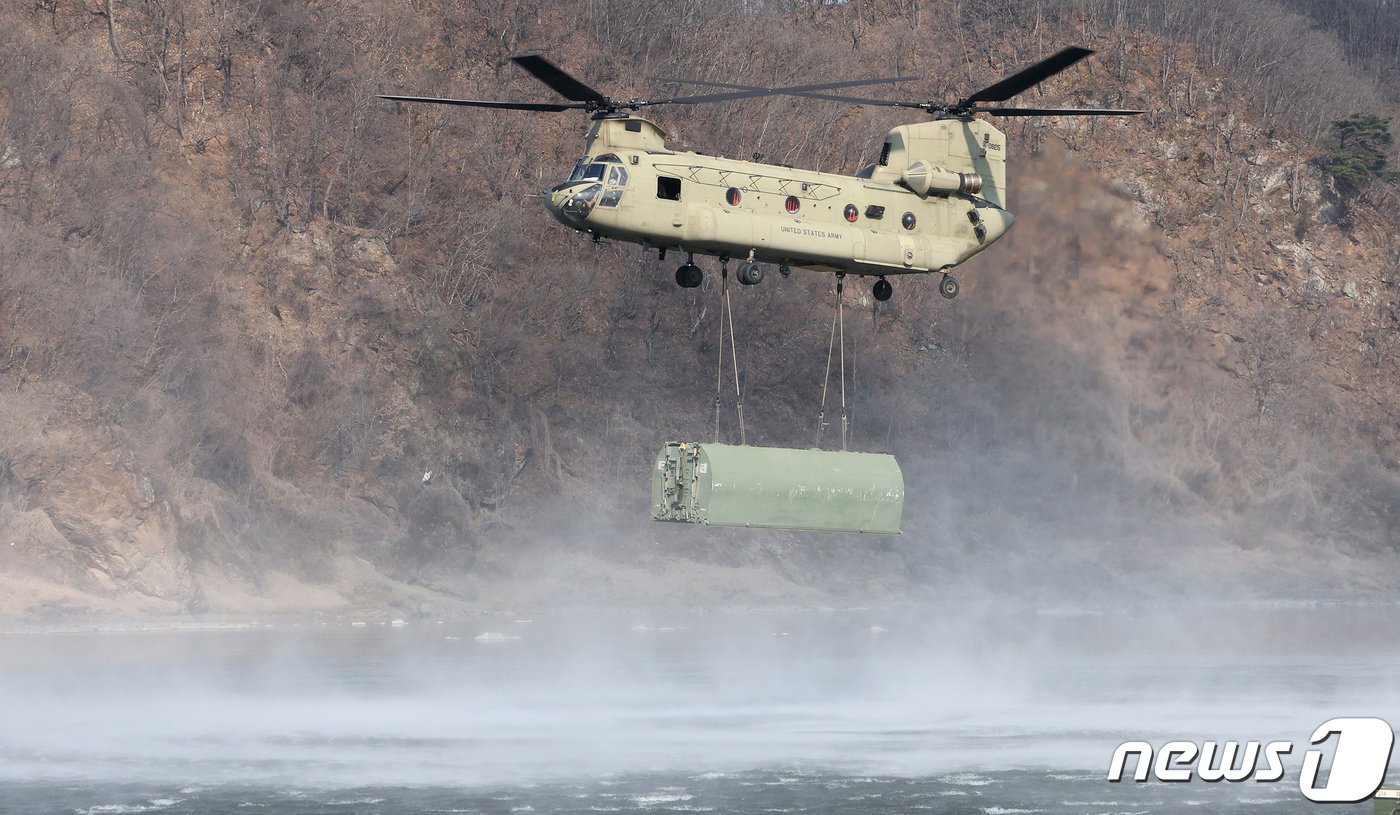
(78,512)
(267,345)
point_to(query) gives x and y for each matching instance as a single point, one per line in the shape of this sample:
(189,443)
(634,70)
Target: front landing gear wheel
(689,276)
(948,286)
(750,273)
(882,290)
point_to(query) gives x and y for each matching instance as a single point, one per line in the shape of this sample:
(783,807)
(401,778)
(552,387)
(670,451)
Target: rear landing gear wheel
(948,286)
(882,290)
(750,273)
(689,276)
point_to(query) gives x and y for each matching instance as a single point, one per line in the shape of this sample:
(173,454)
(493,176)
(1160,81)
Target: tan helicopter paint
(817,235)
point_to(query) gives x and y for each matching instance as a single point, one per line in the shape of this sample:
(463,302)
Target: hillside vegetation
(269,343)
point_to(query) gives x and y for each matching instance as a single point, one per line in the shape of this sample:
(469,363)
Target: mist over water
(994,706)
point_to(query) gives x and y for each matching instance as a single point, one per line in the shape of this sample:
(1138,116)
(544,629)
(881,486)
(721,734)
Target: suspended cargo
(778,488)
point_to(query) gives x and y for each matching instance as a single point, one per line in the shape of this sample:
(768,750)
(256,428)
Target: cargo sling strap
(838,329)
(727,311)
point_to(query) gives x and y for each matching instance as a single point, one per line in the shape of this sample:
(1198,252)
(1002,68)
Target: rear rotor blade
(555,77)
(486,103)
(1028,77)
(749,92)
(856,100)
(850,83)
(1056,111)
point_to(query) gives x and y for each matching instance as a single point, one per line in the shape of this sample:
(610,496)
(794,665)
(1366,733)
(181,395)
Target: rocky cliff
(268,344)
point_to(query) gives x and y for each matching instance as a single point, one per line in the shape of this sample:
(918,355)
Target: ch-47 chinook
(935,198)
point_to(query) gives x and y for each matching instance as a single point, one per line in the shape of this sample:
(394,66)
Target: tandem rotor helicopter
(935,198)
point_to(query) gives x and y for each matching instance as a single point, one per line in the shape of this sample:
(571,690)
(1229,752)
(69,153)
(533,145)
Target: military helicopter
(935,198)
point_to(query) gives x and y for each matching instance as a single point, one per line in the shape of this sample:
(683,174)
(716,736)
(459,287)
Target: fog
(924,691)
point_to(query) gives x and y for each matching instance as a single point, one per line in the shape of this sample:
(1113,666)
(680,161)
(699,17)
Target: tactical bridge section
(777,488)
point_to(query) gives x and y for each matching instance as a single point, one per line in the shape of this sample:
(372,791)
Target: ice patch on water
(968,780)
(1008,811)
(155,805)
(663,796)
(526,808)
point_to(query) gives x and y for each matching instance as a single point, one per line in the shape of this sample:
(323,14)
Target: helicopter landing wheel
(750,273)
(689,276)
(948,286)
(784,270)
(882,290)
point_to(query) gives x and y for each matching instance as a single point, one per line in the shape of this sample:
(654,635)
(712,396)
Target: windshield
(584,171)
(597,169)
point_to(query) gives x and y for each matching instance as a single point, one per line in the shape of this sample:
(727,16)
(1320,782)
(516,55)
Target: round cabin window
(852,213)
(908,220)
(732,196)
(793,204)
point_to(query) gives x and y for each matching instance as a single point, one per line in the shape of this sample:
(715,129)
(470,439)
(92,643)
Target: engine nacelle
(923,180)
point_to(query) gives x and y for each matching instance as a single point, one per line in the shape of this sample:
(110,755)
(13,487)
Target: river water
(993,712)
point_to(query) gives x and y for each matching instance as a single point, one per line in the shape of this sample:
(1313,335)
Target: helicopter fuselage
(935,200)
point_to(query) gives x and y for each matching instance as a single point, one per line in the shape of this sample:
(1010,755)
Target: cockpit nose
(571,202)
(594,182)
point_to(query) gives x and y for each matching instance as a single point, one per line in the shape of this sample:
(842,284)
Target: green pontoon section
(777,488)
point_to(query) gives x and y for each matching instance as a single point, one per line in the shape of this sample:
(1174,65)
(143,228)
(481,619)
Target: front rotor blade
(487,103)
(555,77)
(1056,111)
(1028,77)
(851,83)
(702,83)
(856,100)
(749,92)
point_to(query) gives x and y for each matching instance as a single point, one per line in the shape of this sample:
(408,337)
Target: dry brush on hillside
(268,342)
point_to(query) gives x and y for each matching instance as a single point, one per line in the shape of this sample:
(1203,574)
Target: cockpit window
(588,171)
(606,167)
(581,202)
